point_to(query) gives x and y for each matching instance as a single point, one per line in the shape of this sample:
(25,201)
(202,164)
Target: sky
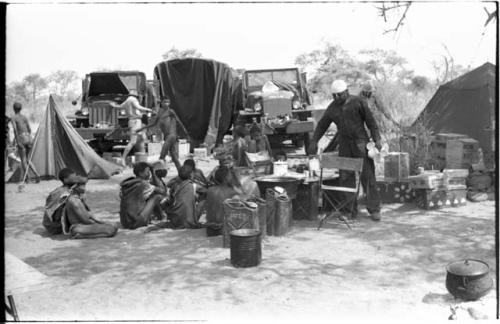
(42,38)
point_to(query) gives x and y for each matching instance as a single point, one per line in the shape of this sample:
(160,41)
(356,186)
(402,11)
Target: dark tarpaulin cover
(465,105)
(57,145)
(200,92)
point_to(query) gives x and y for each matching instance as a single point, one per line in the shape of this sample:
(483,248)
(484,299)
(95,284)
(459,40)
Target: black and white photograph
(251,161)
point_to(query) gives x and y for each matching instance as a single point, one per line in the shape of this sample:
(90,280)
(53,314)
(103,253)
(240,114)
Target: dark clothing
(350,118)
(182,212)
(54,206)
(134,196)
(214,203)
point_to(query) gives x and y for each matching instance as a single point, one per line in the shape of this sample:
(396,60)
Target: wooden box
(461,153)
(396,166)
(394,191)
(439,198)
(428,180)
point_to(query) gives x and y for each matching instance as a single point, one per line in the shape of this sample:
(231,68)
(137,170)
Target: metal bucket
(238,214)
(246,250)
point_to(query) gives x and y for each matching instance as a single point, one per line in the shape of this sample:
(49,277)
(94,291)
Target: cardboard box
(439,198)
(427,180)
(154,148)
(397,166)
(395,191)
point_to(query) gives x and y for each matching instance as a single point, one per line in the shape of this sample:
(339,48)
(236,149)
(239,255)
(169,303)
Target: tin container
(238,214)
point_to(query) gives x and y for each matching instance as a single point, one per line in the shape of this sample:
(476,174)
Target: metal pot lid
(468,267)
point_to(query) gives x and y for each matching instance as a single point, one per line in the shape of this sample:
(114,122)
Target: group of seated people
(146,197)
(251,141)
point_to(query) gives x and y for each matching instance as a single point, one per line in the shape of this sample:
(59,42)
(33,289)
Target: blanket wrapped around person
(182,209)
(54,209)
(134,194)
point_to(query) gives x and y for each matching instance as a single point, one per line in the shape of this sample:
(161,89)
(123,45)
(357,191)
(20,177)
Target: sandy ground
(390,270)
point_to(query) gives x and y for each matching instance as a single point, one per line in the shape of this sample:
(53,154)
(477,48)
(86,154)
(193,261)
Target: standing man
(166,120)
(350,114)
(22,132)
(134,111)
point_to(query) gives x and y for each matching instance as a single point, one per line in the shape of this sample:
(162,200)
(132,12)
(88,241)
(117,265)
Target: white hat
(338,86)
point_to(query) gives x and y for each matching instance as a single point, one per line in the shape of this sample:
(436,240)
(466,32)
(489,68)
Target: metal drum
(238,214)
(246,249)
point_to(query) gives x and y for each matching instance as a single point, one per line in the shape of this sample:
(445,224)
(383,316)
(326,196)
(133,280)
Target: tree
(175,53)
(420,83)
(446,69)
(63,82)
(34,84)
(386,65)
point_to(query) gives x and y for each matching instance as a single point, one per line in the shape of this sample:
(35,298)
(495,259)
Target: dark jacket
(350,118)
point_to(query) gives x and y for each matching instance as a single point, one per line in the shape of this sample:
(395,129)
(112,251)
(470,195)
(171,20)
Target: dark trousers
(170,147)
(357,149)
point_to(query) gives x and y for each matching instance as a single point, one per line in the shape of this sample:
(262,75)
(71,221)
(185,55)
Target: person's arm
(27,125)
(138,106)
(322,126)
(370,121)
(77,213)
(152,123)
(157,184)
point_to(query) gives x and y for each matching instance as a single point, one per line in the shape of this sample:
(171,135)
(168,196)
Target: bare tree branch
(384,10)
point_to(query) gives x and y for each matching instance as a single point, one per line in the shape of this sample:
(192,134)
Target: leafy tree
(420,83)
(63,82)
(175,53)
(34,84)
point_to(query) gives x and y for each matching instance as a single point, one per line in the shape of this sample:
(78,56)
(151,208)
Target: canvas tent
(465,105)
(57,145)
(201,94)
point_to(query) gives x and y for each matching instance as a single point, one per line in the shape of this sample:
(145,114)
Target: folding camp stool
(332,161)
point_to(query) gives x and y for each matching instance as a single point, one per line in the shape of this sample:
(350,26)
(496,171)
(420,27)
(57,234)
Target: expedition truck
(279,98)
(96,120)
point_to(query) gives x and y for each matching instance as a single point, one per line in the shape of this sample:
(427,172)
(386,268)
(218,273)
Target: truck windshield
(259,78)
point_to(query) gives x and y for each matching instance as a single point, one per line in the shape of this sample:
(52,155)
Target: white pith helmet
(338,86)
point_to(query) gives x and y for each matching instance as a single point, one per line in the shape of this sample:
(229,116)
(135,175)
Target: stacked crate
(435,189)
(392,178)
(454,151)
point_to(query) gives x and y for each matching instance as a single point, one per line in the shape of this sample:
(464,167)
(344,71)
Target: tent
(57,145)
(465,105)
(201,94)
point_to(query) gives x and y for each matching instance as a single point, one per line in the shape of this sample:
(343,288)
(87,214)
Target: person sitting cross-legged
(77,221)
(140,197)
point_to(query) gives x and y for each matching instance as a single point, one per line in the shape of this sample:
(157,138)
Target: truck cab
(96,120)
(281,96)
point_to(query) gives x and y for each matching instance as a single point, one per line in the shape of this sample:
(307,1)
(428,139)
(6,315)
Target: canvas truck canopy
(201,94)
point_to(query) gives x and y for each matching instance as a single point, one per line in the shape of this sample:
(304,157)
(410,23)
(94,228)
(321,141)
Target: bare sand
(389,270)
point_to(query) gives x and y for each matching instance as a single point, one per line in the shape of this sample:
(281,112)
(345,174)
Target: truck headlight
(295,104)
(257,107)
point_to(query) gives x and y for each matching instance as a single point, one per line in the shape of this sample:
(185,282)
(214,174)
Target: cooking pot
(290,184)
(468,279)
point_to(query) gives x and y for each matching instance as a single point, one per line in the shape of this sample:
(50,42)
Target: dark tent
(465,105)
(200,91)
(57,145)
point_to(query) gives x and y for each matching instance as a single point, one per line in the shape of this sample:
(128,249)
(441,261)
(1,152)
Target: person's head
(221,176)
(190,163)
(255,132)
(142,170)
(339,91)
(160,169)
(226,162)
(165,103)
(185,172)
(17,107)
(239,131)
(77,182)
(367,90)
(280,156)
(64,175)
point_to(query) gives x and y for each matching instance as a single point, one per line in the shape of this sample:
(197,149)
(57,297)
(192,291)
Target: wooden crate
(439,198)
(429,180)
(462,153)
(397,166)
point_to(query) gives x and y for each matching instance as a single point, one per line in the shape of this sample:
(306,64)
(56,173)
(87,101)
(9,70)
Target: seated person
(216,195)
(160,169)
(140,199)
(239,145)
(197,175)
(55,202)
(258,141)
(181,211)
(77,221)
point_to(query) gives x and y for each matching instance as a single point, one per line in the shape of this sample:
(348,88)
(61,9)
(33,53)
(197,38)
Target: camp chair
(332,161)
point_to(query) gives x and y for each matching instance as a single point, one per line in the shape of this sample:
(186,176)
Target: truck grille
(277,106)
(103,113)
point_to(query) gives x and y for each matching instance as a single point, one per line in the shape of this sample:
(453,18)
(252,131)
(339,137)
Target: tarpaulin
(201,94)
